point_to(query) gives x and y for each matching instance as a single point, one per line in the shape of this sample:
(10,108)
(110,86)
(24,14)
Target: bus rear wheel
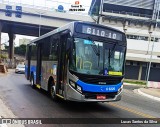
(52,92)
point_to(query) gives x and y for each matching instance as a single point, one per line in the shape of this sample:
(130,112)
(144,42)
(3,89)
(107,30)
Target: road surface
(26,102)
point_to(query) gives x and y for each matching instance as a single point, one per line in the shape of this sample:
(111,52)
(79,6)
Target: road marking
(38,86)
(132,111)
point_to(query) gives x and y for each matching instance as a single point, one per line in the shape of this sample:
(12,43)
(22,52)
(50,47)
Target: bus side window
(34,52)
(53,50)
(45,49)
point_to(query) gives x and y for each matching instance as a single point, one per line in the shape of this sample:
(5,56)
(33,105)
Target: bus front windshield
(96,58)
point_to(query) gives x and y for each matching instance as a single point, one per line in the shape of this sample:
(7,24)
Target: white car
(20,68)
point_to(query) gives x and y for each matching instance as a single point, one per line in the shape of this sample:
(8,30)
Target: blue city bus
(80,61)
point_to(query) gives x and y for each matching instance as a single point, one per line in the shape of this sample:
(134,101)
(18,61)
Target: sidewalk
(2,74)
(5,74)
(152,93)
(5,111)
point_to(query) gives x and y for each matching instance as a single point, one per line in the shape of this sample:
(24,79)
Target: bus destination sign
(101,32)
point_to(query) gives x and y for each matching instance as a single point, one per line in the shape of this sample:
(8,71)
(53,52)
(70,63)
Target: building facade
(140,20)
(24,41)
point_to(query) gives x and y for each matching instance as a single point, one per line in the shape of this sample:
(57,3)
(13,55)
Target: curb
(149,96)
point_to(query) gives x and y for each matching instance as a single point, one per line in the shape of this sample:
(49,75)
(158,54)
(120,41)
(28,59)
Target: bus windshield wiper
(95,49)
(111,51)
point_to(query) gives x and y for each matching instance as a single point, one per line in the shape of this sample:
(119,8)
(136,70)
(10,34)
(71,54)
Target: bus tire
(32,82)
(52,92)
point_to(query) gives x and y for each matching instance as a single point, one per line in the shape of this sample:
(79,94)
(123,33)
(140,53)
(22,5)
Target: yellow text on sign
(115,73)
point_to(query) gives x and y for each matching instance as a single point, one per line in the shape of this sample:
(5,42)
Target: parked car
(20,68)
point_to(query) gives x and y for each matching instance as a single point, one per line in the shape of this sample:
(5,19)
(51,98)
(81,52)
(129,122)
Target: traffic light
(18,12)
(8,11)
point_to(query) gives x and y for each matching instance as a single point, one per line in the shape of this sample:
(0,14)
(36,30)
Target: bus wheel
(32,82)
(52,92)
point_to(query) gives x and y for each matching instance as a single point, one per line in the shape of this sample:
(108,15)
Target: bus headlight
(72,84)
(79,89)
(75,86)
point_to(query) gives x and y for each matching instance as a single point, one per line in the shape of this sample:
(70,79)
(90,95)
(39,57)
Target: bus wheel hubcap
(32,82)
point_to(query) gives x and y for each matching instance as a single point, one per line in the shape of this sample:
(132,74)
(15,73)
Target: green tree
(21,50)
(6,47)
(3,56)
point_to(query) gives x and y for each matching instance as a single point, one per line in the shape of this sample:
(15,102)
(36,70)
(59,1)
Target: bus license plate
(101,97)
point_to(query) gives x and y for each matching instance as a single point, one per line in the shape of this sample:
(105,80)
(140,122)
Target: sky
(49,3)
(4,38)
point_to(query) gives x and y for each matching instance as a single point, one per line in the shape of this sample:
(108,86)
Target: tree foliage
(21,50)
(3,56)
(6,47)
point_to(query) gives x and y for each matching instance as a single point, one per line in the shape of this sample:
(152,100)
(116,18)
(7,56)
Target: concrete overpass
(34,22)
(33,18)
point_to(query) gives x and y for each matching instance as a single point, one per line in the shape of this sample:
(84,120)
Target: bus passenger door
(39,62)
(62,65)
(28,62)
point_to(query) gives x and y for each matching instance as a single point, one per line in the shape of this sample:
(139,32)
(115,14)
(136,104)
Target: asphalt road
(26,102)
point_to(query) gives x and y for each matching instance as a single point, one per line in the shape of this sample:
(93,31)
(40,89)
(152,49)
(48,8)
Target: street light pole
(149,42)
(40,17)
(100,11)
(40,24)
(150,61)
(0,40)
(0,48)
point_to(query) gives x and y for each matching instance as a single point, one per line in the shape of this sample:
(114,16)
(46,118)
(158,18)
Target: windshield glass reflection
(96,58)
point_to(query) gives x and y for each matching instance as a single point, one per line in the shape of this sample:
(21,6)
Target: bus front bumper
(74,95)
